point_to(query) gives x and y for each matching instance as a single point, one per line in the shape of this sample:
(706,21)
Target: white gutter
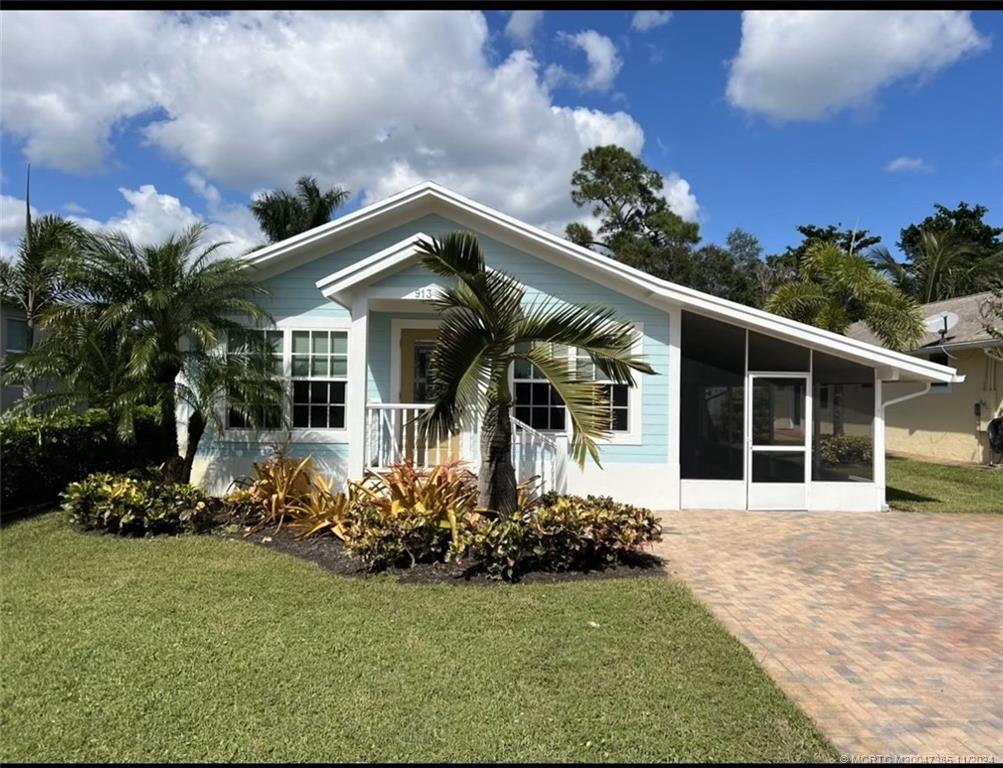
(884,405)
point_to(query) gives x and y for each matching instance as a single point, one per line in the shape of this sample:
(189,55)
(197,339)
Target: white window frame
(634,434)
(293,434)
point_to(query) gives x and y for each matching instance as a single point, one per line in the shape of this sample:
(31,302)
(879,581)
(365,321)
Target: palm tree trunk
(196,428)
(496,479)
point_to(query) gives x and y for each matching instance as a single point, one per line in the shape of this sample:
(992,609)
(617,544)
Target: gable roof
(429,197)
(968,331)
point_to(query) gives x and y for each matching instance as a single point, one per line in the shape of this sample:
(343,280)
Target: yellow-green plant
(275,494)
(321,509)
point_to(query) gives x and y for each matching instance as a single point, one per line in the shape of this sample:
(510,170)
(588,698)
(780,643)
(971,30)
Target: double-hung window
(239,345)
(319,366)
(539,405)
(616,397)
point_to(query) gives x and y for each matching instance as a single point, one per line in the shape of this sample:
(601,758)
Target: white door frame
(780,495)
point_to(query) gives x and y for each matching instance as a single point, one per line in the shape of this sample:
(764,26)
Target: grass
(198,648)
(918,486)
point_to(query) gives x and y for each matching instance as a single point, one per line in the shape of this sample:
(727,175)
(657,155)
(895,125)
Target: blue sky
(148,121)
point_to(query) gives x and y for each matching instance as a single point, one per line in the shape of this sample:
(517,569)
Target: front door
(416,387)
(778,445)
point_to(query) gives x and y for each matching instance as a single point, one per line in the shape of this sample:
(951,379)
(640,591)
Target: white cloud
(72,207)
(680,198)
(602,56)
(152,217)
(906,164)
(645,20)
(252,100)
(522,25)
(11,224)
(808,65)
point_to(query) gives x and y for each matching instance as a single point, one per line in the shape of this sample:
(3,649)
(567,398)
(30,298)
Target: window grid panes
(615,396)
(319,368)
(537,403)
(268,416)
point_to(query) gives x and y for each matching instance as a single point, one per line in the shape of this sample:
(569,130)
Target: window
(268,416)
(319,379)
(17,336)
(537,403)
(615,395)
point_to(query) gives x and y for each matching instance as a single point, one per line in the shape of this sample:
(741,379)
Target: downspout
(884,405)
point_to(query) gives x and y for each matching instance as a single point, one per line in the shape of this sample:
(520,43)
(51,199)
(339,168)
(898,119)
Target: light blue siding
(296,297)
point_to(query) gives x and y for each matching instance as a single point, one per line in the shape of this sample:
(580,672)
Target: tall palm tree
(944,266)
(33,281)
(282,214)
(169,305)
(484,325)
(836,288)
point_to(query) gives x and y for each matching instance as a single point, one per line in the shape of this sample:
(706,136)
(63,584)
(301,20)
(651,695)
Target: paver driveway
(887,628)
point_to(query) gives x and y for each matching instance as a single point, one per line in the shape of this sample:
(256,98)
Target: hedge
(41,455)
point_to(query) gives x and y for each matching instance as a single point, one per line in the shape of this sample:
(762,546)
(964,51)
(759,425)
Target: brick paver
(886,628)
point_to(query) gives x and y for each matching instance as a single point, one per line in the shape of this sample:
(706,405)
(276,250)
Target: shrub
(41,454)
(562,533)
(845,449)
(409,514)
(137,504)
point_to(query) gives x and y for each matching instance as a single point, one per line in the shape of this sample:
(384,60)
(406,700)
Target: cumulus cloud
(252,100)
(907,165)
(522,25)
(645,20)
(603,59)
(809,65)
(11,224)
(152,217)
(680,198)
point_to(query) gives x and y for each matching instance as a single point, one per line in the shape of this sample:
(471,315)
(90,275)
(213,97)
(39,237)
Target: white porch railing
(392,436)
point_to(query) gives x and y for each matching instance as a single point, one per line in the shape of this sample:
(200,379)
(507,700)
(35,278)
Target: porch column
(879,447)
(358,342)
(673,495)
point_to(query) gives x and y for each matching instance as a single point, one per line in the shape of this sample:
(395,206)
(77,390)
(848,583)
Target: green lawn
(197,648)
(917,486)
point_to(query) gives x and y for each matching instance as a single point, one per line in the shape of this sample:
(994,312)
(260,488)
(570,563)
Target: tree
(484,327)
(168,305)
(836,288)
(734,272)
(992,319)
(785,267)
(636,225)
(942,266)
(282,214)
(952,253)
(33,280)
(965,222)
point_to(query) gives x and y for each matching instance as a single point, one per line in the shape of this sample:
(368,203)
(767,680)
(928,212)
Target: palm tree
(944,266)
(168,305)
(836,288)
(282,214)
(33,281)
(483,328)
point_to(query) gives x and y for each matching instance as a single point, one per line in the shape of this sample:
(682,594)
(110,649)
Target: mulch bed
(328,552)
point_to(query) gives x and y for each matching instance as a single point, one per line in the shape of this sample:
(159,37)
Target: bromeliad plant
(484,329)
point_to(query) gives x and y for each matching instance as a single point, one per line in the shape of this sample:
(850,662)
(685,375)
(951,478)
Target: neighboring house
(13,338)
(950,424)
(727,422)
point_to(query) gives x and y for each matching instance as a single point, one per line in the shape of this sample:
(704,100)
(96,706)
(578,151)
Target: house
(13,338)
(727,422)
(951,424)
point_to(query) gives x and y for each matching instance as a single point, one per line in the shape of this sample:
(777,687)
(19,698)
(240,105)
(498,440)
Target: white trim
(396,326)
(429,197)
(358,386)
(778,495)
(674,433)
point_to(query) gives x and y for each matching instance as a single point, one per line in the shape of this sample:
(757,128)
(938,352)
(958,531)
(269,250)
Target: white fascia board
(339,285)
